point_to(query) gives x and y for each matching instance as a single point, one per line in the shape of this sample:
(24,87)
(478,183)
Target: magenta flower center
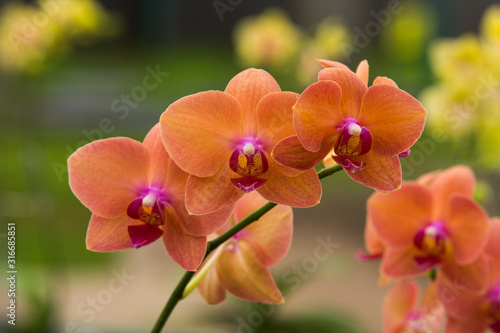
(249,161)
(150,209)
(432,241)
(354,140)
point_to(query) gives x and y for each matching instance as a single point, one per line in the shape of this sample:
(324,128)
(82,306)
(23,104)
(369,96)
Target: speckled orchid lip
(353,140)
(346,163)
(249,161)
(149,208)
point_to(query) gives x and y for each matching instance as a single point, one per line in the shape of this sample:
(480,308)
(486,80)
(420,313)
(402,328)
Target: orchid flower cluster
(217,156)
(433,226)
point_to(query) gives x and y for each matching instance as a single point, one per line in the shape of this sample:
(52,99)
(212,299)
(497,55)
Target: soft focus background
(74,71)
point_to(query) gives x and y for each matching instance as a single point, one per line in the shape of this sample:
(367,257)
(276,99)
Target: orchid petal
(106,175)
(162,169)
(469,277)
(468,227)
(317,115)
(373,243)
(394,118)
(363,71)
(399,263)
(275,118)
(384,80)
(478,324)
(398,303)
(459,301)
(332,64)
(493,248)
(203,225)
(382,173)
(455,180)
(291,153)
(248,87)
(211,288)
(186,250)
(428,179)
(242,273)
(399,215)
(271,235)
(300,191)
(106,235)
(209,194)
(249,203)
(200,131)
(352,87)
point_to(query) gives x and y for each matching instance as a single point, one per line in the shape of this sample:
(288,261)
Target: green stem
(178,292)
(172,302)
(202,272)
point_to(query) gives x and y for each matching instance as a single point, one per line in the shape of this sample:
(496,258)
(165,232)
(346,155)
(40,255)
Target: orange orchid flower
(470,311)
(224,140)
(136,195)
(435,225)
(365,129)
(240,265)
(400,313)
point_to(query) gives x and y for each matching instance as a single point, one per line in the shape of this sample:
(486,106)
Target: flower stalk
(184,287)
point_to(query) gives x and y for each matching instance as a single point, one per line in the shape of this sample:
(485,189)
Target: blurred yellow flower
(457,58)
(490,24)
(30,36)
(26,38)
(405,37)
(270,40)
(330,34)
(465,101)
(86,18)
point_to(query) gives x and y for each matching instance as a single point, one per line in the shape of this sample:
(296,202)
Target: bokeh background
(73,71)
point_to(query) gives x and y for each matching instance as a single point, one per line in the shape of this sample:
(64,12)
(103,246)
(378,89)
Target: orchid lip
(148,207)
(249,161)
(143,234)
(248,184)
(349,165)
(432,242)
(353,140)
